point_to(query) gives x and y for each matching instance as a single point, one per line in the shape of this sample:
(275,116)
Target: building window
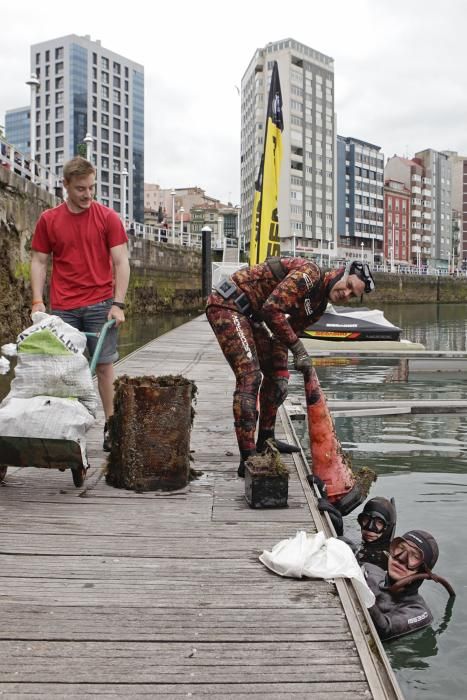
(58,53)
(59,67)
(59,127)
(59,142)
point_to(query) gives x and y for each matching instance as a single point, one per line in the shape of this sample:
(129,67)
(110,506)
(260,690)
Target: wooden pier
(106,593)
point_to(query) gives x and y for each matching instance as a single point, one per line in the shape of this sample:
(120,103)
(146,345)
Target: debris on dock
(150,433)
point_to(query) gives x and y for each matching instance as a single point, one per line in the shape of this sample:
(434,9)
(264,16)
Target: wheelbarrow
(48,452)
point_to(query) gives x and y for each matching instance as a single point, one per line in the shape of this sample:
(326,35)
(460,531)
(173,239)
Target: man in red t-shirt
(88,245)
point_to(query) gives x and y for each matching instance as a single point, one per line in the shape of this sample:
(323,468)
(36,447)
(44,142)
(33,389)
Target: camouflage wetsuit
(256,343)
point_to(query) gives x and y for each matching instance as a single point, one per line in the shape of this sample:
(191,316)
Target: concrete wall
(21,204)
(417,289)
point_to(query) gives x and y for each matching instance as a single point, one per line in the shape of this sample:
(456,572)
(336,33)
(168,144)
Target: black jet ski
(347,323)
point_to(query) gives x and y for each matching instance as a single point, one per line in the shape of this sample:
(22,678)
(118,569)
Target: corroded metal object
(150,433)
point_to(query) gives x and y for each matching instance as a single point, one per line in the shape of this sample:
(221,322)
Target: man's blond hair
(77,167)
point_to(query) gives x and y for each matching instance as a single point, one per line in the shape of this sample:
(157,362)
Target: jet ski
(347,323)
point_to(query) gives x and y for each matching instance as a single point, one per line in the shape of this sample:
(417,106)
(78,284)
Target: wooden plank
(344,690)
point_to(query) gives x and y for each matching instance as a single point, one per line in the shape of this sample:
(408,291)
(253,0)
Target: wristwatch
(120,304)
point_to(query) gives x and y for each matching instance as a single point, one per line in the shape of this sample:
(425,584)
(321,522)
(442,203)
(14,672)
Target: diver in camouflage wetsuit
(256,316)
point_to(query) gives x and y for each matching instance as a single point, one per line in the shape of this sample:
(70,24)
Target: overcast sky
(400,71)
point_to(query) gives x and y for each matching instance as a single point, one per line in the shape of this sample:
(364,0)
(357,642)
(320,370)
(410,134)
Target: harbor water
(421,460)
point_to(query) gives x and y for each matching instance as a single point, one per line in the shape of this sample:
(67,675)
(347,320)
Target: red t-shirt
(80,245)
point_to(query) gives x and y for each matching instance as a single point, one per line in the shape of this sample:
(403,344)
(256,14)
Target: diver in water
(377,523)
(399,607)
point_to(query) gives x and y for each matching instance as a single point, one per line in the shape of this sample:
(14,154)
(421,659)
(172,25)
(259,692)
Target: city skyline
(398,74)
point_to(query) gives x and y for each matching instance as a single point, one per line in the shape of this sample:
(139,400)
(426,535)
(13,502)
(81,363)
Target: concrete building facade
(438,169)
(459,205)
(417,179)
(306,192)
(360,200)
(82,89)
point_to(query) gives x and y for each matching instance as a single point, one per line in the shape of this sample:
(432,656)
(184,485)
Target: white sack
(72,339)
(4,365)
(46,417)
(53,369)
(317,557)
(9,349)
(64,376)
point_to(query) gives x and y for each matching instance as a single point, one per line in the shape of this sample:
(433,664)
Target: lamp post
(182,211)
(293,243)
(173,193)
(124,176)
(362,247)
(392,249)
(372,252)
(88,141)
(238,209)
(33,83)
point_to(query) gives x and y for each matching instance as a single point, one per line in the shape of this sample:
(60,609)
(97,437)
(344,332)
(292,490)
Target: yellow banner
(265,240)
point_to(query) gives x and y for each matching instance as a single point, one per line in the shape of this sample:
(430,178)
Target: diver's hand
(301,359)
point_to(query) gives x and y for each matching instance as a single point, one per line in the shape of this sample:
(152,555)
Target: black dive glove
(301,359)
(324,506)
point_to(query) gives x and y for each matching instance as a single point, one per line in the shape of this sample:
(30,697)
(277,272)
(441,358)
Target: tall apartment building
(85,88)
(417,179)
(438,169)
(459,204)
(18,129)
(306,190)
(360,200)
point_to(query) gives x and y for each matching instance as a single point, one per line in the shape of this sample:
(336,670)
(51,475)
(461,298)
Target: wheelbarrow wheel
(3,471)
(79,476)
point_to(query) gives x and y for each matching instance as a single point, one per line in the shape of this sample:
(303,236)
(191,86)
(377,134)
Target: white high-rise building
(306,191)
(84,89)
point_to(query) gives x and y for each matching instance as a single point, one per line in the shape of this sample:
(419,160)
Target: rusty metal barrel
(150,433)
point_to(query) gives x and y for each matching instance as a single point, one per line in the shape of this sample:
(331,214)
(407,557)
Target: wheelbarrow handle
(100,341)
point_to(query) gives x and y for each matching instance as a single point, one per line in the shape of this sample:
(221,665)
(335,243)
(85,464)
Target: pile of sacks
(52,394)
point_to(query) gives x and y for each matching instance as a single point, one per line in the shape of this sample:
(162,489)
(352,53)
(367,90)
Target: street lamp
(173,193)
(392,249)
(33,83)
(238,209)
(182,211)
(124,176)
(293,243)
(362,246)
(88,141)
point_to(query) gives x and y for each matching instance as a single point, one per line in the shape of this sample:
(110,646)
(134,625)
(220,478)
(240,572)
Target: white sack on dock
(46,417)
(4,365)
(51,363)
(315,556)
(9,349)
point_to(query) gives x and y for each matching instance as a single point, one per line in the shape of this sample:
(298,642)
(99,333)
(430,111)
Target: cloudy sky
(400,71)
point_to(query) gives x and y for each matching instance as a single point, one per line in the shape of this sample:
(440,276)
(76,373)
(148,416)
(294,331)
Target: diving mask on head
(362,271)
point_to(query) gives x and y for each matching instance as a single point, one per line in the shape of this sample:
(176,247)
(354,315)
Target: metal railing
(12,159)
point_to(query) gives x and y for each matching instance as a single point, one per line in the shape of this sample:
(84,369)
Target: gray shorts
(90,319)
